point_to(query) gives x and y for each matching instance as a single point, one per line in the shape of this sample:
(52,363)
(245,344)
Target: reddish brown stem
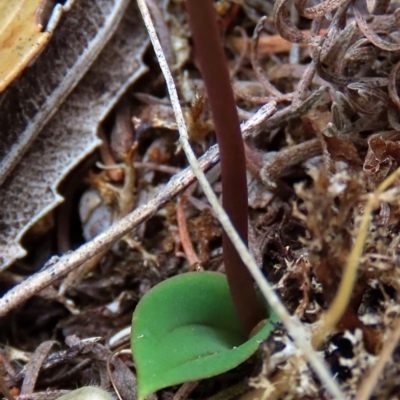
(214,70)
(186,243)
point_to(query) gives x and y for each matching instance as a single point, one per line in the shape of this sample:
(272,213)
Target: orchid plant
(200,324)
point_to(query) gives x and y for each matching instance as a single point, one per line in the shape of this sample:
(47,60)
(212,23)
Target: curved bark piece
(29,103)
(31,191)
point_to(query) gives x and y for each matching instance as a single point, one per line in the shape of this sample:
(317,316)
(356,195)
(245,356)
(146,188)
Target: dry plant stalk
(60,140)
(342,298)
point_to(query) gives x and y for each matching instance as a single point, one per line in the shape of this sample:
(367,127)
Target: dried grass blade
(371,35)
(320,9)
(287,28)
(256,63)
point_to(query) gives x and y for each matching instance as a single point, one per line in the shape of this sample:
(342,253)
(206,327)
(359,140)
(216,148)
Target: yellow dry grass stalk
(329,320)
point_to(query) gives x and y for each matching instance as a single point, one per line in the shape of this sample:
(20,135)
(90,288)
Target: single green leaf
(186,329)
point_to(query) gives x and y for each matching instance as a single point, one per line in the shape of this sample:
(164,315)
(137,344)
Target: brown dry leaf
(21,36)
(342,149)
(259,196)
(31,191)
(29,103)
(34,365)
(382,157)
(124,379)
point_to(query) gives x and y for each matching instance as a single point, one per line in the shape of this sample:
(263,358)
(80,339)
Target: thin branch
(162,30)
(294,327)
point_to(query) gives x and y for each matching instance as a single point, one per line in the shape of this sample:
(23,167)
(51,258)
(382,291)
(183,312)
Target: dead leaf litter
(313,166)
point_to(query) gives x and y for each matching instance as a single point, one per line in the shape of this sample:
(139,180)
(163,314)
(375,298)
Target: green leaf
(186,329)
